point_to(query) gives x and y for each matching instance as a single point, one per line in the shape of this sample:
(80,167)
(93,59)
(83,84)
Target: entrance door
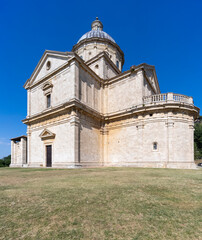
(49,156)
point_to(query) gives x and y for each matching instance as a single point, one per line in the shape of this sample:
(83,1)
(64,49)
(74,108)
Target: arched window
(155,146)
(117,64)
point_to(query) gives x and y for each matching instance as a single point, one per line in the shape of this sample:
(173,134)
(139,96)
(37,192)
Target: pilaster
(140,140)
(104,136)
(191,133)
(75,125)
(28,146)
(28,102)
(12,152)
(170,135)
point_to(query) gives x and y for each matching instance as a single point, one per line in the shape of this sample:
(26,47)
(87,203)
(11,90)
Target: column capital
(74,121)
(104,131)
(140,126)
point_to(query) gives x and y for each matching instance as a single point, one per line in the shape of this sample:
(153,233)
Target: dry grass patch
(105,203)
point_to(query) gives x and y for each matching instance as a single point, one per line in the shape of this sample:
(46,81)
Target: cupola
(96,41)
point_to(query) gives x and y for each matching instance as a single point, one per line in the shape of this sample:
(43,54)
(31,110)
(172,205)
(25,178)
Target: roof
(18,138)
(96,32)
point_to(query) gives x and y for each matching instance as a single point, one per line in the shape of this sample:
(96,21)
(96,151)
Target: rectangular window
(48,100)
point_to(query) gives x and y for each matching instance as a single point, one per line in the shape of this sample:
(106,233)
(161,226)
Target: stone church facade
(83,111)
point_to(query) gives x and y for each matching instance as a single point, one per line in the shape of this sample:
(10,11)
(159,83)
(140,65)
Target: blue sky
(167,34)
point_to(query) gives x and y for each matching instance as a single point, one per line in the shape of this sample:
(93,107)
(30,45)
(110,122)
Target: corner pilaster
(75,125)
(104,135)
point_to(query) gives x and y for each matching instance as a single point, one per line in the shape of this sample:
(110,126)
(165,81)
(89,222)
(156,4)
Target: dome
(96,32)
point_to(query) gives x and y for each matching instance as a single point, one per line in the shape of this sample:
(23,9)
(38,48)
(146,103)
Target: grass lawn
(102,203)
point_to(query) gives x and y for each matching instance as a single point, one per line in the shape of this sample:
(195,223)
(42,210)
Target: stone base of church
(16,165)
(182,165)
(56,165)
(175,165)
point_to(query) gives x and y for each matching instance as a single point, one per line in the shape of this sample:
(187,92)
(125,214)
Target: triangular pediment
(49,62)
(151,76)
(107,63)
(46,134)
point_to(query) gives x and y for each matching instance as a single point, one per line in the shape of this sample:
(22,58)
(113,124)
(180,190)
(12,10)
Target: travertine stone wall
(62,146)
(18,152)
(90,142)
(62,91)
(125,93)
(89,90)
(130,142)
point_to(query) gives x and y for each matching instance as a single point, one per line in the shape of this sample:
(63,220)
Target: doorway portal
(49,156)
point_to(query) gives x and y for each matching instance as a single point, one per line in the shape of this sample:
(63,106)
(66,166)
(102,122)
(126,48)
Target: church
(83,111)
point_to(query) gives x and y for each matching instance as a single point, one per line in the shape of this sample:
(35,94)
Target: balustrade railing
(167,97)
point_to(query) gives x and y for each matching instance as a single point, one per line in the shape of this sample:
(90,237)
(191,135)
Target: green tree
(2,163)
(5,162)
(198,140)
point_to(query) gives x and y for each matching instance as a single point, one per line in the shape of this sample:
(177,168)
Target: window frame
(48,100)
(155,146)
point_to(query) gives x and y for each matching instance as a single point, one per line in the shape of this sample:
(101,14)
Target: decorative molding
(46,134)
(47,88)
(75,121)
(104,131)
(169,124)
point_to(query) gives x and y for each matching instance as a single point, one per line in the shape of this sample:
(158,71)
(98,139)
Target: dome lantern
(97,25)
(97,41)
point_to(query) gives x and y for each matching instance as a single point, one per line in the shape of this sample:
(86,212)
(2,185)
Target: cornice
(135,69)
(63,108)
(142,109)
(139,109)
